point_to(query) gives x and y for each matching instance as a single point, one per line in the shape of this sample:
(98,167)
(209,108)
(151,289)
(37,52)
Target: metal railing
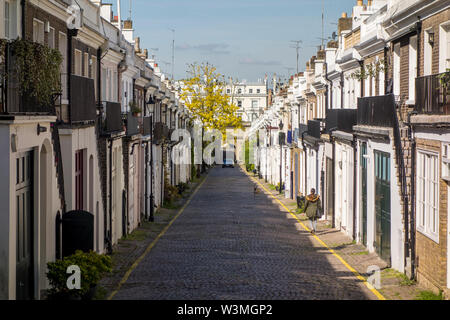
(131,123)
(82,99)
(341,119)
(112,117)
(12,99)
(147,126)
(376,111)
(432,97)
(314,128)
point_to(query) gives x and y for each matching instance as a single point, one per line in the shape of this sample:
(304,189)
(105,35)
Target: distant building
(250,97)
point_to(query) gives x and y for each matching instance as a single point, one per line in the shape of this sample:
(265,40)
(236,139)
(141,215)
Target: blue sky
(244,39)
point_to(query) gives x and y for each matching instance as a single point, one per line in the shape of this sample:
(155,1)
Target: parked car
(228,163)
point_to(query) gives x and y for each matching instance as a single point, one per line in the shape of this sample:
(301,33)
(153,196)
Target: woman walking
(313,209)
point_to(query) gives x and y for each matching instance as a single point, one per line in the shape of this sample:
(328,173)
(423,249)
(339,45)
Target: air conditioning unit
(446,162)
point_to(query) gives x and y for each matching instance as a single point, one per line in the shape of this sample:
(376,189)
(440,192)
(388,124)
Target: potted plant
(92,267)
(134,108)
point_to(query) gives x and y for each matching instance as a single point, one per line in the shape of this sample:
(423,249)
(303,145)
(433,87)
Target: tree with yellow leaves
(204,94)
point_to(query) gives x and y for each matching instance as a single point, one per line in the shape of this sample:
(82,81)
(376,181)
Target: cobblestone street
(232,244)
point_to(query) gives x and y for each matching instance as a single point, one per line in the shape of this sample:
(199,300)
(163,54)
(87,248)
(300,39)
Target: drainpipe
(109,236)
(152,199)
(410,243)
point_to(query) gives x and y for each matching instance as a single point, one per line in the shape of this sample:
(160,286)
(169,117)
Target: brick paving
(231,244)
(394,286)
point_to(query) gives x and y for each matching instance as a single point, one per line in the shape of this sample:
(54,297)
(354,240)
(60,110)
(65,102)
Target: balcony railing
(431,96)
(112,119)
(131,123)
(160,132)
(82,99)
(341,119)
(147,126)
(376,111)
(314,128)
(12,100)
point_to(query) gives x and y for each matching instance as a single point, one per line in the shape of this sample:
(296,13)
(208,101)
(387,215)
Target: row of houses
(90,167)
(367,125)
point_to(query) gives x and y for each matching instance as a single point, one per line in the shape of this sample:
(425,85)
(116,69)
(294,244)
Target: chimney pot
(344,15)
(359,3)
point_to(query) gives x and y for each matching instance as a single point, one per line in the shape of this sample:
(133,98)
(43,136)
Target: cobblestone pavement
(230,243)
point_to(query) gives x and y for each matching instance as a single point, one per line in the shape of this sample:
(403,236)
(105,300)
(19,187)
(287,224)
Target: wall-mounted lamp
(431,37)
(41,129)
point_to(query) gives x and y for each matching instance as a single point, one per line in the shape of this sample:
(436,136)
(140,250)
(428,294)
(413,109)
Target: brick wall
(32,12)
(433,23)
(431,257)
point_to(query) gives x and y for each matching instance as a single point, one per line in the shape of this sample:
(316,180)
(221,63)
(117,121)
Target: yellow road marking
(356,273)
(151,245)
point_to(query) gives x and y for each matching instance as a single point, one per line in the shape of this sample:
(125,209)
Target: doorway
(25,223)
(383,205)
(363,164)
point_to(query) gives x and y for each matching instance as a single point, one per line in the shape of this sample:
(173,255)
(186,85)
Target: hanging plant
(38,70)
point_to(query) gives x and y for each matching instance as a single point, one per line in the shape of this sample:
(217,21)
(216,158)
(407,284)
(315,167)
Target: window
(228,91)
(258,90)
(62,45)
(250,91)
(240,104)
(79,183)
(94,75)
(51,38)
(7,19)
(444,47)
(397,69)
(38,31)
(10,19)
(86,65)
(239,91)
(428,194)
(428,51)
(255,104)
(78,63)
(412,67)
(103,84)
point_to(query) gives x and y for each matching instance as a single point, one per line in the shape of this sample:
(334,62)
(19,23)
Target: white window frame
(38,33)
(427,55)
(424,204)
(444,47)
(412,69)
(52,38)
(78,64)
(396,69)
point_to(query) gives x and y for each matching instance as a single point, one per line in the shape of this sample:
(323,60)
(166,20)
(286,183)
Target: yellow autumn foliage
(204,94)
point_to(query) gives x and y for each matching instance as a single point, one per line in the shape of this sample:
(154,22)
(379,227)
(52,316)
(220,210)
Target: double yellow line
(151,245)
(349,267)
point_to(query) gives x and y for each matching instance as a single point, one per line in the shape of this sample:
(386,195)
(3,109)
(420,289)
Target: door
(330,189)
(344,189)
(363,164)
(79,183)
(24,210)
(383,206)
